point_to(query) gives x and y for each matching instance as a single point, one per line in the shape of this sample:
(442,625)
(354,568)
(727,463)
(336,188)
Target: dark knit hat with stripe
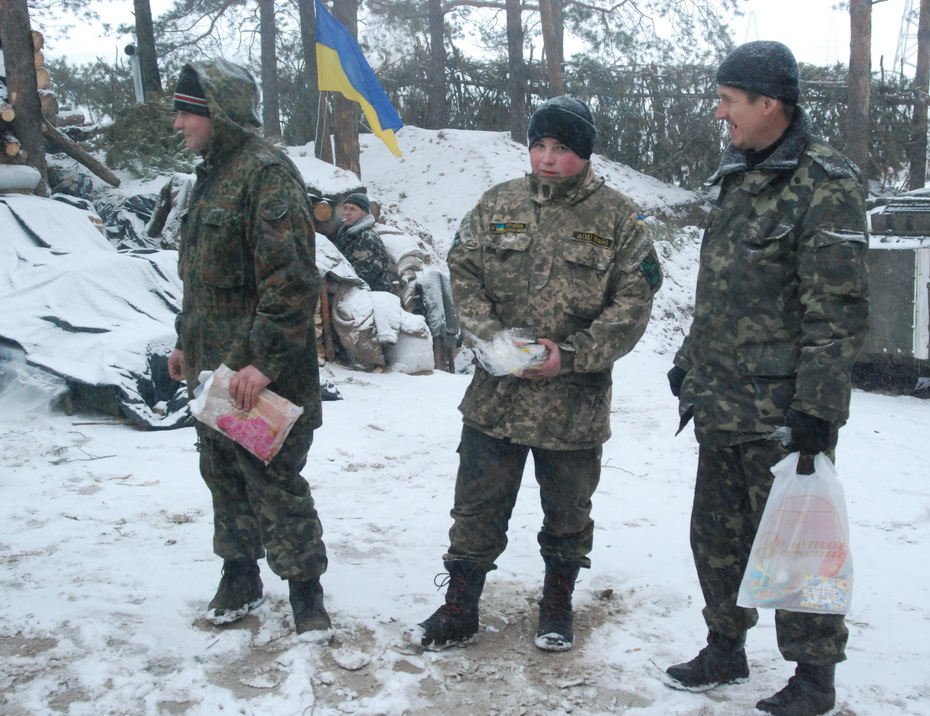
(189,95)
(566,119)
(764,67)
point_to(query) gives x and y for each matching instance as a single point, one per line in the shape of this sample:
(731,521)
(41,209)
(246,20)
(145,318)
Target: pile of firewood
(10,150)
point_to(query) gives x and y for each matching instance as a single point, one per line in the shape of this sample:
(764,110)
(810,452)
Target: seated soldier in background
(361,245)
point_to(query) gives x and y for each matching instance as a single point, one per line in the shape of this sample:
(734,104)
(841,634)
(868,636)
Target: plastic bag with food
(261,431)
(509,352)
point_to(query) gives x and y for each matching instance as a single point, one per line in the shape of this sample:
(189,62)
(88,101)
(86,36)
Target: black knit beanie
(360,200)
(189,95)
(765,67)
(566,119)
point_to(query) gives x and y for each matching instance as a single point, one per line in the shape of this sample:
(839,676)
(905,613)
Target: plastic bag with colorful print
(261,431)
(800,559)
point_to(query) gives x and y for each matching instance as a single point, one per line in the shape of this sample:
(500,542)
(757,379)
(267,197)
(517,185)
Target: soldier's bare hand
(552,366)
(245,386)
(177,368)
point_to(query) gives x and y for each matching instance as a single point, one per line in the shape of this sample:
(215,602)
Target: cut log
(43,78)
(49,104)
(10,144)
(38,40)
(38,60)
(70,148)
(7,113)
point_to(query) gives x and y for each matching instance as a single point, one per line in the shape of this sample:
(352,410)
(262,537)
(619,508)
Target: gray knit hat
(360,200)
(765,67)
(566,119)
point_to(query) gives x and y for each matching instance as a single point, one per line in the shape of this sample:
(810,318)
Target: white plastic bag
(509,352)
(261,431)
(800,559)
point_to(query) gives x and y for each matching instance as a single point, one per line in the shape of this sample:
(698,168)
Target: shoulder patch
(650,270)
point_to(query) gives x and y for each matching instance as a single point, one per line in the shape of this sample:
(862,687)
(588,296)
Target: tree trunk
(550,12)
(917,153)
(308,128)
(145,38)
(517,71)
(271,113)
(22,90)
(345,111)
(437,112)
(860,77)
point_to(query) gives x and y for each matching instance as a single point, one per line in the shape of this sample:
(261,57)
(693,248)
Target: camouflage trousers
(259,508)
(489,477)
(733,484)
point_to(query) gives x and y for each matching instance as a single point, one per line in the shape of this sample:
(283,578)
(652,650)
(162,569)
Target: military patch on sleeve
(507,227)
(651,271)
(587,237)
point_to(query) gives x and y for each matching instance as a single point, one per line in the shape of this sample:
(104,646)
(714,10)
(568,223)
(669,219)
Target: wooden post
(326,316)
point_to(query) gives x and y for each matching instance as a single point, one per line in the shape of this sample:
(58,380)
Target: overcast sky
(815,32)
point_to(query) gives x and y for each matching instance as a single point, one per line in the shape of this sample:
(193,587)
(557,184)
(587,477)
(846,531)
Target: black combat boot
(307,603)
(240,591)
(722,661)
(555,631)
(455,623)
(810,692)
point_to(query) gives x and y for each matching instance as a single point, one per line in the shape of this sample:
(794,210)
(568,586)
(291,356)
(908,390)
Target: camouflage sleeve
(286,277)
(637,277)
(475,310)
(834,297)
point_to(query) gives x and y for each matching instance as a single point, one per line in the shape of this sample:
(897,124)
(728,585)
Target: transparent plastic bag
(261,431)
(800,559)
(509,352)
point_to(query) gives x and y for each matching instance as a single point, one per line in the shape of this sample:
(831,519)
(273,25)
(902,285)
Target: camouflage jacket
(362,246)
(782,295)
(247,254)
(569,260)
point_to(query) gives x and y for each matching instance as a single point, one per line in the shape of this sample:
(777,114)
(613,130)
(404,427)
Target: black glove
(676,376)
(809,434)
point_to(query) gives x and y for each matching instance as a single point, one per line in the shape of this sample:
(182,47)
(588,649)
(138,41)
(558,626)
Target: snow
(108,563)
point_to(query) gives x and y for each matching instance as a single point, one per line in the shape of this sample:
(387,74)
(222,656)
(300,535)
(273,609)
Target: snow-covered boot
(555,632)
(722,661)
(810,692)
(307,603)
(240,591)
(455,623)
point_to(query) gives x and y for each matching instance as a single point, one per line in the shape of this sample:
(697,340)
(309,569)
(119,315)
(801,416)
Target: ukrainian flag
(343,68)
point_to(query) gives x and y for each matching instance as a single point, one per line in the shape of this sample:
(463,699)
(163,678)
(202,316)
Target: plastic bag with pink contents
(261,431)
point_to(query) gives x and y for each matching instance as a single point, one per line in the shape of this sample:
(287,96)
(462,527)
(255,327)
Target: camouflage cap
(230,89)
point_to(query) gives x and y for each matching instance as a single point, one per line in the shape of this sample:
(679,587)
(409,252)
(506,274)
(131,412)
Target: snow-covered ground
(108,566)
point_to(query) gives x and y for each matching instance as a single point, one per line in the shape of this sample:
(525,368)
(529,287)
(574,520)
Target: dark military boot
(240,591)
(555,632)
(455,623)
(722,661)
(810,692)
(307,603)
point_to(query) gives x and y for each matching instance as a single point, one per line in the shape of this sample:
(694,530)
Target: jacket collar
(366,222)
(550,190)
(786,156)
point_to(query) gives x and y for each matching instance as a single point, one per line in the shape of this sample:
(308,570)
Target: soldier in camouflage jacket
(360,244)
(247,260)
(780,314)
(563,256)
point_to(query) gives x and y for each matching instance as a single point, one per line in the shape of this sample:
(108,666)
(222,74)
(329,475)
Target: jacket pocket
(776,359)
(585,273)
(222,249)
(506,266)
(580,409)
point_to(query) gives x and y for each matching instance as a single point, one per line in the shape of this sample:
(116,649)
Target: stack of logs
(10,150)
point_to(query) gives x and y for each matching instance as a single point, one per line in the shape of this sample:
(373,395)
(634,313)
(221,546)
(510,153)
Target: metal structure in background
(898,342)
(135,67)
(905,56)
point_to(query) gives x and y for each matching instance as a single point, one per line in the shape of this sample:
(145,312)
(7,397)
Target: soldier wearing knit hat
(764,67)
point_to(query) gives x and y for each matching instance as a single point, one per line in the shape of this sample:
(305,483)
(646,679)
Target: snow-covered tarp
(84,311)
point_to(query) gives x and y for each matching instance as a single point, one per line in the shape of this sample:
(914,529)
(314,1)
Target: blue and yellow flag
(343,68)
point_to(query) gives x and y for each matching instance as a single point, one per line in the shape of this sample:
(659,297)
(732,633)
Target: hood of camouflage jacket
(232,96)
(786,156)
